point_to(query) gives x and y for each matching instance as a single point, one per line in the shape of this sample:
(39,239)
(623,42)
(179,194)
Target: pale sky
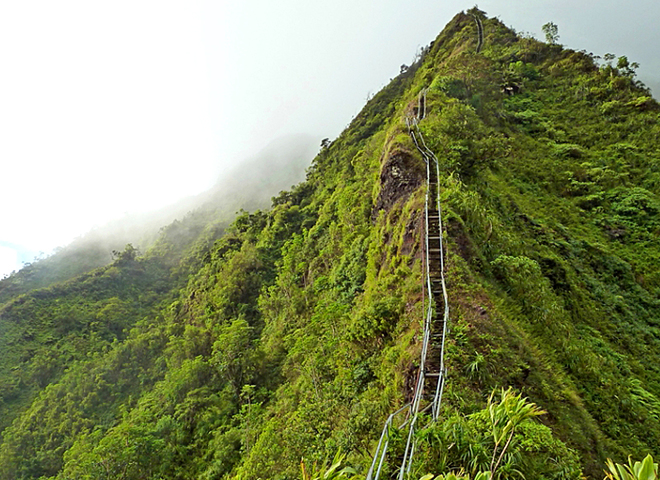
(109,107)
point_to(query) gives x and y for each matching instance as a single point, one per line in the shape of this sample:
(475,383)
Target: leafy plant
(551,31)
(330,471)
(644,470)
(458,476)
(505,416)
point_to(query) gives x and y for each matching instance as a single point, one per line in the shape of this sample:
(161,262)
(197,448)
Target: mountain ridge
(295,332)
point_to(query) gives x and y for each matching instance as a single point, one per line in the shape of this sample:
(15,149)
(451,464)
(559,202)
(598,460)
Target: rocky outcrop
(400,175)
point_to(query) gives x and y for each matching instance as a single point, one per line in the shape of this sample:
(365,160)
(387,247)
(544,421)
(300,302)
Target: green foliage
(457,476)
(332,471)
(235,351)
(505,416)
(464,143)
(499,441)
(551,32)
(644,470)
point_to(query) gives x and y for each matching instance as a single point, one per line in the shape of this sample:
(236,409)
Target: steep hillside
(298,332)
(45,331)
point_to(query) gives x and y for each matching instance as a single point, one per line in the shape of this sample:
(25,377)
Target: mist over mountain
(196,83)
(248,186)
(464,283)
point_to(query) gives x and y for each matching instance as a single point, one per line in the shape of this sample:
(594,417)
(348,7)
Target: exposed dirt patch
(400,176)
(410,382)
(409,237)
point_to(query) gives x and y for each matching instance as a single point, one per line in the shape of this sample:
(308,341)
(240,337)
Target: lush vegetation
(293,333)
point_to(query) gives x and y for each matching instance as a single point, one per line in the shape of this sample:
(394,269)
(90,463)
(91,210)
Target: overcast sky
(109,107)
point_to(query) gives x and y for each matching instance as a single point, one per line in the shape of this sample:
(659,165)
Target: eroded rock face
(400,176)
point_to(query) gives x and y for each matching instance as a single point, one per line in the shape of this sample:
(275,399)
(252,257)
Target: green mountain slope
(46,331)
(297,333)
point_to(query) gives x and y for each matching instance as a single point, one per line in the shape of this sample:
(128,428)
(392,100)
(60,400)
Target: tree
(608,57)
(551,31)
(129,254)
(626,68)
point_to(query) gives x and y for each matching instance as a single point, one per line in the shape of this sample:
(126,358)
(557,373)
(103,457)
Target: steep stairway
(429,386)
(433,365)
(432,371)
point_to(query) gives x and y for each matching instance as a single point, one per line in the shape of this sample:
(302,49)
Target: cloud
(104,111)
(8,260)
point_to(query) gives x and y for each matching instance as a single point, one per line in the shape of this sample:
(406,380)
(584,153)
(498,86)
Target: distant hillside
(264,348)
(247,186)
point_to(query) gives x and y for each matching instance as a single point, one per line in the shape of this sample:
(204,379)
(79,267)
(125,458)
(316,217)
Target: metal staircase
(430,382)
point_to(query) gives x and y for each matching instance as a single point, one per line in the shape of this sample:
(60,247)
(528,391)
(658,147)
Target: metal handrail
(480,33)
(429,157)
(383,443)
